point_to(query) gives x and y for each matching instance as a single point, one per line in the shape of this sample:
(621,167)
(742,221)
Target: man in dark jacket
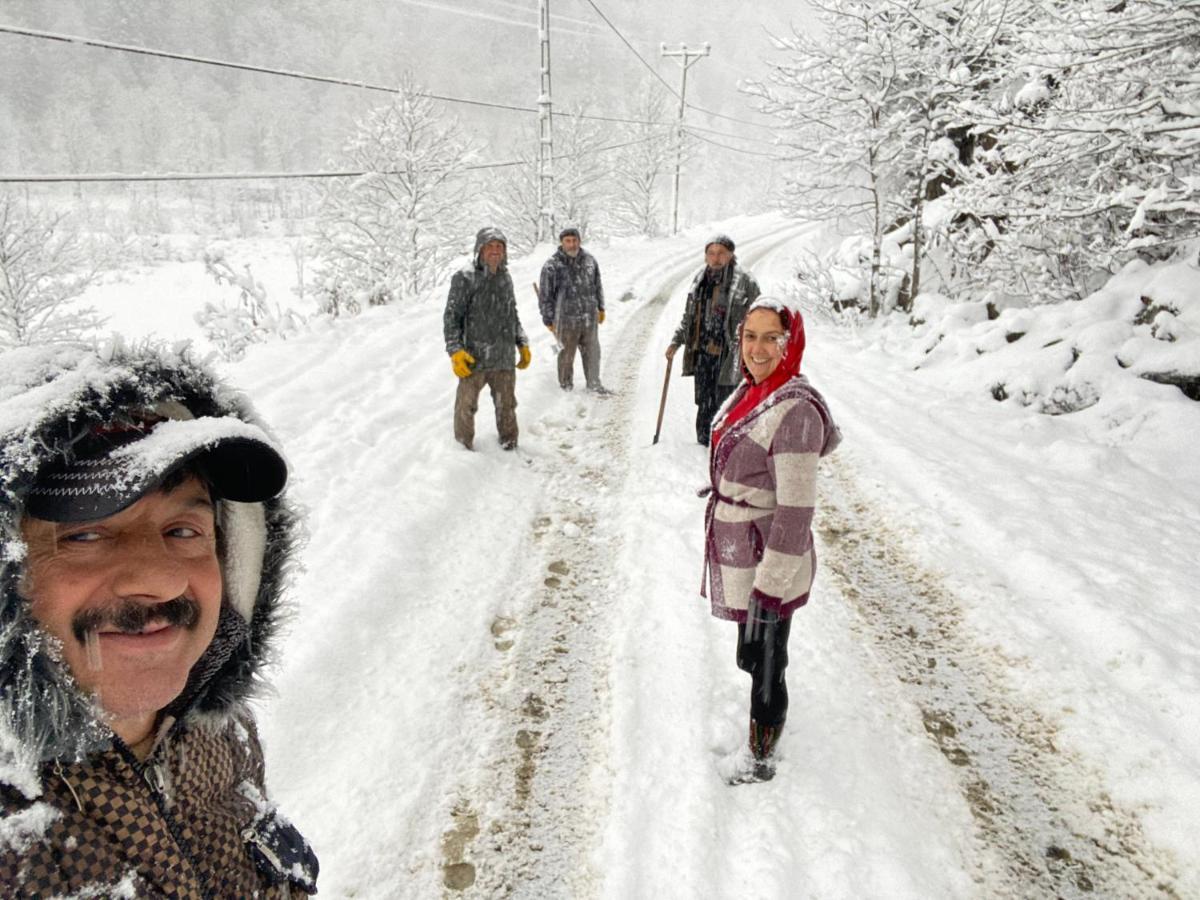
(571,301)
(715,307)
(484,339)
(143,548)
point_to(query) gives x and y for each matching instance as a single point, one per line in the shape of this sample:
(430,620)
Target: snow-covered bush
(251,319)
(45,264)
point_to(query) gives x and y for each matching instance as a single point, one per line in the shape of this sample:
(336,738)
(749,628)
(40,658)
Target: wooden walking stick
(663,403)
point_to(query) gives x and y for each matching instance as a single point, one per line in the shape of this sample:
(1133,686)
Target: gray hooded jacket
(481,311)
(570,291)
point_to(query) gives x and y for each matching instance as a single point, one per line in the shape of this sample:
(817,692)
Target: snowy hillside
(501,680)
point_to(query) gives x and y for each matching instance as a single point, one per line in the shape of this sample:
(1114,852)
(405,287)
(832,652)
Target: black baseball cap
(110,466)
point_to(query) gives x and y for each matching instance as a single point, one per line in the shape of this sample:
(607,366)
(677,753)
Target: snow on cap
(110,466)
(570,230)
(723,239)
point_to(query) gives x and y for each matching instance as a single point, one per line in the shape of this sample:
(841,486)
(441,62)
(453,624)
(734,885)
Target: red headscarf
(789,366)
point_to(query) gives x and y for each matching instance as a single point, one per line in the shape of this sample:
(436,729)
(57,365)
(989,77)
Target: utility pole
(687,58)
(545,131)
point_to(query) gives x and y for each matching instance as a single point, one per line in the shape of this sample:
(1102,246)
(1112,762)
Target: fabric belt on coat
(710,514)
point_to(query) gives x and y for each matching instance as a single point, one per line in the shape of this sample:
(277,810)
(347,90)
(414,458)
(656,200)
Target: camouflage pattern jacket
(570,291)
(481,311)
(80,816)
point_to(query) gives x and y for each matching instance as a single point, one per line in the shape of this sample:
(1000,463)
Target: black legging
(765,658)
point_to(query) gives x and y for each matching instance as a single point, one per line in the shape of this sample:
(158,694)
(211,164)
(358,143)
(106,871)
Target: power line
(245,67)
(116,177)
(709,112)
(654,72)
(731,148)
(494,17)
(172,176)
(303,76)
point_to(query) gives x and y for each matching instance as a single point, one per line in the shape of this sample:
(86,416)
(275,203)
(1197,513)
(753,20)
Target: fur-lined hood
(46,395)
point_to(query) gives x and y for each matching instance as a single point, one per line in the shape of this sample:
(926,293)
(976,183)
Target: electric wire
(305,76)
(731,148)
(564,24)
(655,73)
(245,67)
(115,177)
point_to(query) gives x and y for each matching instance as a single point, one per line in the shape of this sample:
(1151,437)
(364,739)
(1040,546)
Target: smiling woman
(759,558)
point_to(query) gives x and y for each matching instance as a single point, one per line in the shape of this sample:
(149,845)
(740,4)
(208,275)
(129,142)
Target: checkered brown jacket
(171,827)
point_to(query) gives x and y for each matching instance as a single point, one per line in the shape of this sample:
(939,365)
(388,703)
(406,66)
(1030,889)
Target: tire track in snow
(1045,824)
(527,822)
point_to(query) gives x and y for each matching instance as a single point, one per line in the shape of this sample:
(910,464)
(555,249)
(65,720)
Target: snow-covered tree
(1097,146)
(387,235)
(641,168)
(45,264)
(582,171)
(582,181)
(875,110)
(837,94)
(512,193)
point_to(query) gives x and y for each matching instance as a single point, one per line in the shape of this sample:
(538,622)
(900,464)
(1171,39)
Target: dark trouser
(765,658)
(503,383)
(586,338)
(709,394)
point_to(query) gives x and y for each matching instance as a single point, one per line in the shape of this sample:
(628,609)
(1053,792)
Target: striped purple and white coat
(763,484)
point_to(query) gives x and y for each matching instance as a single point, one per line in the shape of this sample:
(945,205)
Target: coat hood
(484,235)
(46,395)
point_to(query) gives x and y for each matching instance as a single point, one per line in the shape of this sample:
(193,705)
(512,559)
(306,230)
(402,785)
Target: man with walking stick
(716,304)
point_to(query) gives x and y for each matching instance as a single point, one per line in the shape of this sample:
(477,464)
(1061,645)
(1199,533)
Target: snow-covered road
(501,680)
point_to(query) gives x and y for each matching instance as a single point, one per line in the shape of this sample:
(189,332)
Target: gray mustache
(131,617)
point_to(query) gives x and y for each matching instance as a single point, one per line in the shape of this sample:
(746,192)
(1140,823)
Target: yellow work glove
(525,357)
(601,316)
(461,361)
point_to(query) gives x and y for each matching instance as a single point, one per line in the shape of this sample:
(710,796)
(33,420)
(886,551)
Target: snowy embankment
(430,732)
(1070,540)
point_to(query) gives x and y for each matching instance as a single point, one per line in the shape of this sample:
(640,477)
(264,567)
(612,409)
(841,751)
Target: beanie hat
(722,239)
(570,230)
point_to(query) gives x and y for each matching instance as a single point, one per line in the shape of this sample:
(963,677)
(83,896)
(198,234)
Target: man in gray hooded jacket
(484,339)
